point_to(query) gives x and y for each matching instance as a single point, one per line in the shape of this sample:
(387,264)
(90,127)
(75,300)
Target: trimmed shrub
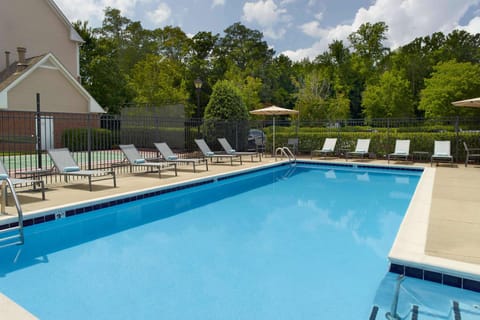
(76,139)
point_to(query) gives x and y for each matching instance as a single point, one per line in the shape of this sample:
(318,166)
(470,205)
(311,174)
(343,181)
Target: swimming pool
(304,242)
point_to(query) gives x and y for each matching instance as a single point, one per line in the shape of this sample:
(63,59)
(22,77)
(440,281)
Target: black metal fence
(94,139)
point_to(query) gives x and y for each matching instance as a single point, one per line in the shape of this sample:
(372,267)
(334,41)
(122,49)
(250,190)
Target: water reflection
(376,234)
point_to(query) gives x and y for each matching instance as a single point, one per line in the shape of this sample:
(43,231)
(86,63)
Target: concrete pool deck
(450,232)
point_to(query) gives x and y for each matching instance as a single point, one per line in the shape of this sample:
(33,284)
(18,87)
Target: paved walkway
(454,225)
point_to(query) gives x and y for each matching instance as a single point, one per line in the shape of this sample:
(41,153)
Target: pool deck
(442,228)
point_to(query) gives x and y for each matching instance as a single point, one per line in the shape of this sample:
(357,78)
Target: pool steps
(416,313)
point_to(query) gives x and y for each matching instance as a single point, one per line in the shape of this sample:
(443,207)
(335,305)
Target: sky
(297,28)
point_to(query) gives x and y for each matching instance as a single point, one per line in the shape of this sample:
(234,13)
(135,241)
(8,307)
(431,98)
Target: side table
(420,155)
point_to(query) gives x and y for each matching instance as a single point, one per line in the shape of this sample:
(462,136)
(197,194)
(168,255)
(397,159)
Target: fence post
(3,197)
(39,134)
(236,135)
(456,137)
(388,138)
(89,142)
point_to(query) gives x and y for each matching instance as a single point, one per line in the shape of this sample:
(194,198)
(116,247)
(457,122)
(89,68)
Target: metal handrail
(393,315)
(285,151)
(17,205)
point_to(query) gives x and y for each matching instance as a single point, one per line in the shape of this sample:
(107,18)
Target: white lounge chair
(207,153)
(66,166)
(441,152)
(402,150)
(229,150)
(328,148)
(136,160)
(22,182)
(169,156)
(361,150)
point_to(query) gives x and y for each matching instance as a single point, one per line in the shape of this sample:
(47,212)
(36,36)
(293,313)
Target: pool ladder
(13,235)
(285,151)
(392,314)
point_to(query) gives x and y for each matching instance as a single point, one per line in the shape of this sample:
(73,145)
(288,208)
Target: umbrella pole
(273,145)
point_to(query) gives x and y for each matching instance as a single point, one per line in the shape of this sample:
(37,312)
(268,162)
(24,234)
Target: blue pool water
(308,243)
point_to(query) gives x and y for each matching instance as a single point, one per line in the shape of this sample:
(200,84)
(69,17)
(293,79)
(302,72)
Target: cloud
(473,26)
(263,12)
(90,8)
(216,3)
(312,29)
(267,15)
(319,16)
(160,15)
(406,19)
(94,9)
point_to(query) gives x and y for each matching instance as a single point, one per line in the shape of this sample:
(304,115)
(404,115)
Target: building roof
(12,76)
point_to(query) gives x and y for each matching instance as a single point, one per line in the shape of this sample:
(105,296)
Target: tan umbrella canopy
(475,103)
(274,111)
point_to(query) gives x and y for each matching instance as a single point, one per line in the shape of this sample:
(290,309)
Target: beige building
(40,51)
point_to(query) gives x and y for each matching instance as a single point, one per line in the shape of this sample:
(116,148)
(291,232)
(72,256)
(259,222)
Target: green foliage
(369,53)
(382,142)
(226,103)
(316,99)
(390,97)
(172,42)
(157,80)
(450,81)
(249,87)
(76,139)
(311,96)
(118,56)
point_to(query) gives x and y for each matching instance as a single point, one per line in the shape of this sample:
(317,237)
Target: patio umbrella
(274,111)
(475,103)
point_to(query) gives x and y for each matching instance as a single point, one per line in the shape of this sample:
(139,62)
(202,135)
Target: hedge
(382,143)
(76,139)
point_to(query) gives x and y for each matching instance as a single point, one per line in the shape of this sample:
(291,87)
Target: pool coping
(407,255)
(12,310)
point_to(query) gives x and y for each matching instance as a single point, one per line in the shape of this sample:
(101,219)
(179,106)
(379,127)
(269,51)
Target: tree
(87,51)
(461,46)
(158,80)
(249,87)
(414,63)
(450,81)
(107,69)
(391,97)
(311,97)
(278,86)
(199,65)
(367,43)
(245,49)
(173,43)
(367,60)
(226,103)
